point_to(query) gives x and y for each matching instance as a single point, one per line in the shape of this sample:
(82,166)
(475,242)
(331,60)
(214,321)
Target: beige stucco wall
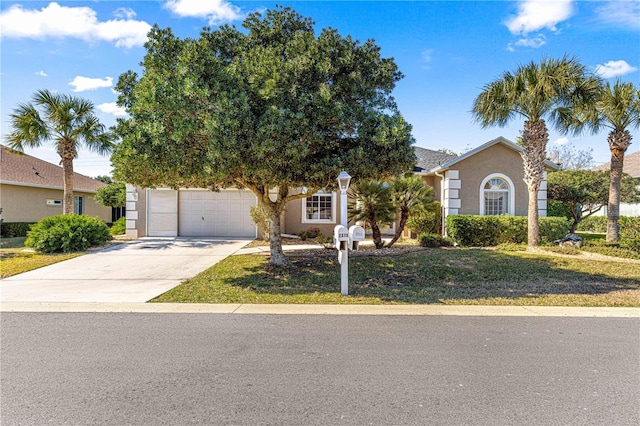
(293,218)
(495,159)
(29,204)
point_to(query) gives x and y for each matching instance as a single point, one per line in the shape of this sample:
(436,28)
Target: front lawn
(14,259)
(427,276)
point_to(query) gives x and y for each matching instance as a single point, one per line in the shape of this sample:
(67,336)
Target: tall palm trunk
(619,141)
(67,152)
(534,141)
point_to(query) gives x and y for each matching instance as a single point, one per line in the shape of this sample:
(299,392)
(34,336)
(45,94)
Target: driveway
(136,271)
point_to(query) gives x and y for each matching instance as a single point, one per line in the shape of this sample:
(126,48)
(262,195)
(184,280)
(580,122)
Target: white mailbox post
(343,253)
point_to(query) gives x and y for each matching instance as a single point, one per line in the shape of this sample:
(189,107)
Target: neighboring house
(486,180)
(31,189)
(631,166)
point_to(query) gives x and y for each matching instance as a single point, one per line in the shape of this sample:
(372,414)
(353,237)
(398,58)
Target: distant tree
(68,122)
(448,151)
(113,195)
(104,179)
(535,92)
(618,109)
(571,158)
(582,193)
(409,194)
(270,107)
(372,204)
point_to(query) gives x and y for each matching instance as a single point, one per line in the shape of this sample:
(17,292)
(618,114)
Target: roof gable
(22,169)
(499,140)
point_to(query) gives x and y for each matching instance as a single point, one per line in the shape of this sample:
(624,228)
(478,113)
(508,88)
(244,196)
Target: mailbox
(356,234)
(341,237)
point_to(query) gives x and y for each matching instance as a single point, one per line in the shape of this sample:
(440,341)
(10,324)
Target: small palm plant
(372,205)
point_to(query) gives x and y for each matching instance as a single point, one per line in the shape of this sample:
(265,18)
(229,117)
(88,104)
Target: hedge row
(14,229)
(629,226)
(483,231)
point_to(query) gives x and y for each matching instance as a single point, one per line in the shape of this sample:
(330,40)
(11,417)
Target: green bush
(434,240)
(593,224)
(119,227)
(14,229)
(67,233)
(484,231)
(310,234)
(630,229)
(260,215)
(426,221)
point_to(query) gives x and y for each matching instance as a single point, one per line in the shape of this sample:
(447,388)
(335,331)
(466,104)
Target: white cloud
(535,42)
(614,69)
(41,73)
(81,23)
(124,13)
(82,84)
(112,108)
(534,15)
(427,57)
(620,12)
(561,141)
(216,11)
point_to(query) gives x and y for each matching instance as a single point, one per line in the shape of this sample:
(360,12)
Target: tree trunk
(619,141)
(534,143)
(67,152)
(275,237)
(404,215)
(375,230)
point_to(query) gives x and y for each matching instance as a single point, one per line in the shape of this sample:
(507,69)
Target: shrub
(434,240)
(310,234)
(593,224)
(426,220)
(14,229)
(260,216)
(66,233)
(630,229)
(119,227)
(484,231)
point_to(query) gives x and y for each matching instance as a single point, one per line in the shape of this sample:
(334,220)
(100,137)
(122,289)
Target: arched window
(496,195)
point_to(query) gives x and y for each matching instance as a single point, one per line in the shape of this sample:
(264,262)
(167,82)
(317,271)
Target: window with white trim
(496,196)
(319,208)
(78,204)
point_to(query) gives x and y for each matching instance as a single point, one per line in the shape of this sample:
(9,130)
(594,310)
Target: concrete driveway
(136,271)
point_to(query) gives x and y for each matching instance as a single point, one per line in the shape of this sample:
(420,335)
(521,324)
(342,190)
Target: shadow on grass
(425,277)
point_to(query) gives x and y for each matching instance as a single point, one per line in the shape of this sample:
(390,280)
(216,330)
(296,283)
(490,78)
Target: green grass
(16,260)
(430,276)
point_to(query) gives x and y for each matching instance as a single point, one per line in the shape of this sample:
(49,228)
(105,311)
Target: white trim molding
(452,185)
(333,207)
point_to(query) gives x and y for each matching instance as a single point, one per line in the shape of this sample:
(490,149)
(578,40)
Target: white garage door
(216,214)
(163,213)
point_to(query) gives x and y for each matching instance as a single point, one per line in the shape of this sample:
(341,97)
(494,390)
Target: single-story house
(631,166)
(486,180)
(31,189)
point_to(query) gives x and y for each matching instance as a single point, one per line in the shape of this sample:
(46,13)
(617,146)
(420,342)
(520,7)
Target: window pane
(319,207)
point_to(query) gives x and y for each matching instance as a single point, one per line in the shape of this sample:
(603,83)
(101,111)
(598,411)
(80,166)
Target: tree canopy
(270,107)
(582,193)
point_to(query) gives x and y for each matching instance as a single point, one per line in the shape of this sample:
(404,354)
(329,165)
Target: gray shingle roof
(429,159)
(23,169)
(631,165)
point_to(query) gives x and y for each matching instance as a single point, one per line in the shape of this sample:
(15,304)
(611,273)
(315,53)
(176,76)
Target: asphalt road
(219,369)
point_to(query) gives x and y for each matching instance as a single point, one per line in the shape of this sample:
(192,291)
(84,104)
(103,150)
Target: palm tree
(407,195)
(618,109)
(372,205)
(535,92)
(67,121)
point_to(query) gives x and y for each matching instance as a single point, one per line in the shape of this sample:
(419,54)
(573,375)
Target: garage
(201,213)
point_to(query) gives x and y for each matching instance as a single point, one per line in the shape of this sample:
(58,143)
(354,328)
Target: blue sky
(447,50)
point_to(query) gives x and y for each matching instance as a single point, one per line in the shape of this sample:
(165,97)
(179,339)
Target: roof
(429,159)
(631,165)
(500,140)
(25,170)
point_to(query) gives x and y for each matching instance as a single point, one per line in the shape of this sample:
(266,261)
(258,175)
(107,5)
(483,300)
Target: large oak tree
(270,107)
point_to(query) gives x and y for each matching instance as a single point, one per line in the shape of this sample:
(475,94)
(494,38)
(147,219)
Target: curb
(402,310)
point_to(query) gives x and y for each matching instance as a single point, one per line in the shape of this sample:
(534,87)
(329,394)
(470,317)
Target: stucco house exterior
(31,189)
(486,180)
(631,166)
